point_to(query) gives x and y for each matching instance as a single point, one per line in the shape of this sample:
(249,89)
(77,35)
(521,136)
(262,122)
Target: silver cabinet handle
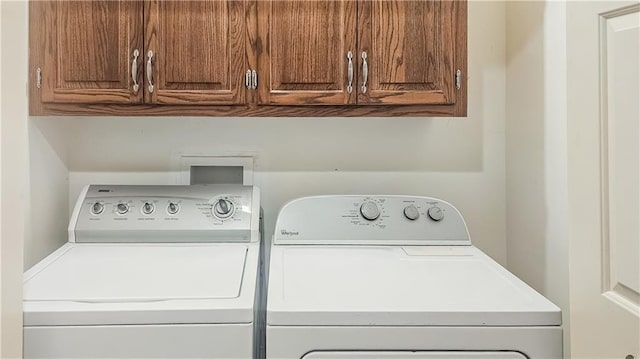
(365,71)
(247,79)
(150,70)
(350,72)
(251,79)
(254,79)
(134,71)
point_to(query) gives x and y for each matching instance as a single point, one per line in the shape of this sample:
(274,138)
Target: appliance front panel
(385,220)
(229,341)
(533,342)
(196,213)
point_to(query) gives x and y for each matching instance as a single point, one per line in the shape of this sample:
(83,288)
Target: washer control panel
(371,220)
(197,213)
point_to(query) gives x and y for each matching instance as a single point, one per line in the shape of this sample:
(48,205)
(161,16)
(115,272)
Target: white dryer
(396,277)
(150,271)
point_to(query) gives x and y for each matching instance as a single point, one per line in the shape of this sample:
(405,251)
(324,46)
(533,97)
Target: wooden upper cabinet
(102,56)
(403,52)
(303,51)
(198,52)
(89,51)
(410,49)
(99,51)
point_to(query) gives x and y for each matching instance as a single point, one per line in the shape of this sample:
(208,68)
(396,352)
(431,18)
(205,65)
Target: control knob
(97,208)
(173,208)
(147,208)
(223,208)
(435,213)
(411,212)
(370,211)
(122,208)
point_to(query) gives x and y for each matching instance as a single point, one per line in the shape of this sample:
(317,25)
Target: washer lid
(399,286)
(133,278)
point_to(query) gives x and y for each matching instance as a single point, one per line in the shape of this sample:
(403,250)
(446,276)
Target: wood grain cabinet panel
(410,49)
(89,52)
(304,47)
(198,52)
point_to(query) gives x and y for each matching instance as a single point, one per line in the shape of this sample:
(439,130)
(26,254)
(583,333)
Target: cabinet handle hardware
(38,78)
(458,79)
(365,71)
(134,71)
(350,72)
(254,80)
(150,70)
(251,79)
(247,79)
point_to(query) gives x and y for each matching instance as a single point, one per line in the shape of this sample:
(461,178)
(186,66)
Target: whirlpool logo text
(284,232)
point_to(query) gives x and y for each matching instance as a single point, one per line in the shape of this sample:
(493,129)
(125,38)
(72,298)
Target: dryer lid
(399,286)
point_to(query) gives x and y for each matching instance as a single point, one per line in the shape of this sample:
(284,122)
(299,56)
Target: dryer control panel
(196,213)
(370,220)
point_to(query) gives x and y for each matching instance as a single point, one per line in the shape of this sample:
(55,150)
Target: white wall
(460,160)
(48,190)
(14,190)
(536,149)
(1,267)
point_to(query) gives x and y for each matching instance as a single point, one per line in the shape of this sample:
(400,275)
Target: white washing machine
(150,272)
(396,277)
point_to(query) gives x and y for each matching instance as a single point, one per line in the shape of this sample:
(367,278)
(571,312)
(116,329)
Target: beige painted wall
(536,149)
(14,190)
(48,194)
(1,268)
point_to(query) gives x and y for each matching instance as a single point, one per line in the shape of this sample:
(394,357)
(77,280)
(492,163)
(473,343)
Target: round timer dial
(223,208)
(370,211)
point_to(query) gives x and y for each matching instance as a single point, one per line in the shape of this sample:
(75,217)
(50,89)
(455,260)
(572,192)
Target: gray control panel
(196,213)
(375,219)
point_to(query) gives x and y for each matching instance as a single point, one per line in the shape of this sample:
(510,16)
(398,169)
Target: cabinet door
(303,47)
(198,52)
(410,49)
(89,50)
